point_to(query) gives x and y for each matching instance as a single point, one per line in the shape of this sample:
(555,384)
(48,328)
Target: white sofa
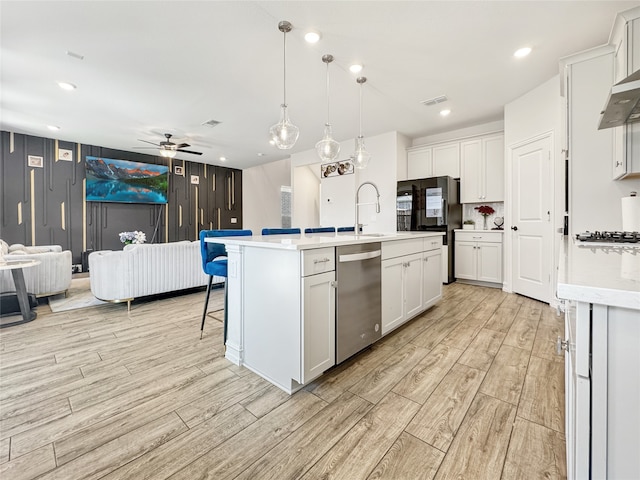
(146,269)
(52,276)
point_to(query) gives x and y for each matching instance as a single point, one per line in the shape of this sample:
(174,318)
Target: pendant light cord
(327,93)
(361,110)
(284,69)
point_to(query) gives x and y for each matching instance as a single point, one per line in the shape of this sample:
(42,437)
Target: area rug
(78,296)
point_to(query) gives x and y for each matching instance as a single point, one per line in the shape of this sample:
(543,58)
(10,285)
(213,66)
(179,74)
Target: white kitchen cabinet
(434,161)
(446,160)
(602,419)
(625,37)
(478,257)
(431,278)
(411,279)
(318,324)
(482,169)
(419,163)
(401,290)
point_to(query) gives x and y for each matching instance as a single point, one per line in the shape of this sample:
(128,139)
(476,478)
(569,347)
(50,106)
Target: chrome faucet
(356,231)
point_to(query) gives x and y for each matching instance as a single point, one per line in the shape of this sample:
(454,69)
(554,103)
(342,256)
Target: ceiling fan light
(284,134)
(327,148)
(361,156)
(167,153)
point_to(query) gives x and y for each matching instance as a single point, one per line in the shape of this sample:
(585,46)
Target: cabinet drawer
(432,243)
(318,260)
(398,248)
(475,236)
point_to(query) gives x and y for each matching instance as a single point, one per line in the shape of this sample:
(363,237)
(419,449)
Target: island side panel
(272,315)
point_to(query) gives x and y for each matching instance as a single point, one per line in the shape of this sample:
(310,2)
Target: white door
(532,200)
(412,285)
(489,262)
(431,282)
(319,346)
(392,294)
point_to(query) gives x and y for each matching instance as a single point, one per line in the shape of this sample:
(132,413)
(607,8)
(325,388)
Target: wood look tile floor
(471,389)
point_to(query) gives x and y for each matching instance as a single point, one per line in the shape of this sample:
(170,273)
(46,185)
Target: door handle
(514,228)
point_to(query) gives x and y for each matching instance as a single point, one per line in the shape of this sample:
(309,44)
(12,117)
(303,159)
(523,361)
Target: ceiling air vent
(211,123)
(434,101)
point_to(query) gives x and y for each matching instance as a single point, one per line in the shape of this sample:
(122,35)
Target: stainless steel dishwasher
(358,302)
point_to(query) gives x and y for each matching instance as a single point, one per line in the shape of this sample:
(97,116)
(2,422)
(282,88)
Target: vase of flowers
(485,211)
(132,237)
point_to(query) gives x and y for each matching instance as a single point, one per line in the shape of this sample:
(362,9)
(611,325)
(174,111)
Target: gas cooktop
(609,237)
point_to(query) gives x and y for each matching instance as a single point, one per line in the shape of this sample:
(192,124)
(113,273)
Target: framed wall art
(34,161)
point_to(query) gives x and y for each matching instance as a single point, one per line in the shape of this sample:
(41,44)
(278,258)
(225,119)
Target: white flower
(133,237)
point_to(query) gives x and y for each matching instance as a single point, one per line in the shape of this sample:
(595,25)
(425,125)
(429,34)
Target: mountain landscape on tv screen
(111,180)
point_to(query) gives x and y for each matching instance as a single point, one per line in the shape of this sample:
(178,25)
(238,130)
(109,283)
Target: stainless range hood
(623,104)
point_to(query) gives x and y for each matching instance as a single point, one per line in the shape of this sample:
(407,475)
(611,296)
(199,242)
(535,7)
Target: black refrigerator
(431,205)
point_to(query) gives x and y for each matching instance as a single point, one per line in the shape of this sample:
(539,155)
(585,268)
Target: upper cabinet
(482,169)
(625,38)
(434,161)
(419,163)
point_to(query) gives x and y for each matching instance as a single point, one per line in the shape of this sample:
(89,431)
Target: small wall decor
(178,170)
(34,161)
(66,155)
(195,180)
(344,167)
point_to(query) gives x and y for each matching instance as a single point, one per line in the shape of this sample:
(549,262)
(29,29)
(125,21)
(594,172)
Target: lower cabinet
(431,279)
(318,324)
(411,279)
(478,256)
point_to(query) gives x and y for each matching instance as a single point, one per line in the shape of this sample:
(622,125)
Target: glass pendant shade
(284,133)
(361,156)
(327,148)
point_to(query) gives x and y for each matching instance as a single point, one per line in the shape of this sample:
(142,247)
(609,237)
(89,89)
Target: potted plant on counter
(468,225)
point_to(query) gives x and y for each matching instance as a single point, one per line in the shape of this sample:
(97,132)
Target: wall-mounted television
(111,180)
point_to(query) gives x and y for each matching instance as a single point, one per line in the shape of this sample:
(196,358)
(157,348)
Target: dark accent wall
(45,206)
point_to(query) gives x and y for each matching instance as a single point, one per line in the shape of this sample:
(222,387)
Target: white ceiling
(151,67)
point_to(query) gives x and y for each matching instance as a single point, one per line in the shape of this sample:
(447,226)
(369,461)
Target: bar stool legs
(206,304)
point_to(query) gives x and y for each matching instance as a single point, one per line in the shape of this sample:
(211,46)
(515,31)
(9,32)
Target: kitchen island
(282,297)
(601,289)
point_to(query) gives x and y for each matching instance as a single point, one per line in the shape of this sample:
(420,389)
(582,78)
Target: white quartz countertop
(607,275)
(477,230)
(318,240)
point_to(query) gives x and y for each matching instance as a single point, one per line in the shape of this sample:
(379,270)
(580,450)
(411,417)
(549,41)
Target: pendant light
(284,133)
(361,156)
(327,148)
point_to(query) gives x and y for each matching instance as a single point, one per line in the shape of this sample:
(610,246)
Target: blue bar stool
(320,230)
(347,229)
(280,231)
(210,252)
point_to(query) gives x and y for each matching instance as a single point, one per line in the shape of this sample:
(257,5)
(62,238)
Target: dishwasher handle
(356,257)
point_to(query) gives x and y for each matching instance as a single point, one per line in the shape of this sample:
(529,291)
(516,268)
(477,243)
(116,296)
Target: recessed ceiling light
(355,68)
(67,86)
(312,36)
(522,52)
(260,154)
(223,159)
(53,128)
(445,112)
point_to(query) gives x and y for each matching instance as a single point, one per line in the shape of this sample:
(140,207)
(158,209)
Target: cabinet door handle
(323,260)
(334,283)
(618,164)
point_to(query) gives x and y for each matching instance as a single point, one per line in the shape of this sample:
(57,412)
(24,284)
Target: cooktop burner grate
(609,237)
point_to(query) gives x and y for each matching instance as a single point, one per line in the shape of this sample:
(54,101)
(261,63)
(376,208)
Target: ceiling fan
(169,149)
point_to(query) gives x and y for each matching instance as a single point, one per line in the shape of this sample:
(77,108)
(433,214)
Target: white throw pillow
(16,247)
(4,247)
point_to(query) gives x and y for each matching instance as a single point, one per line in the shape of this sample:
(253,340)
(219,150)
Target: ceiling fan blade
(182,145)
(188,151)
(145,148)
(147,141)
